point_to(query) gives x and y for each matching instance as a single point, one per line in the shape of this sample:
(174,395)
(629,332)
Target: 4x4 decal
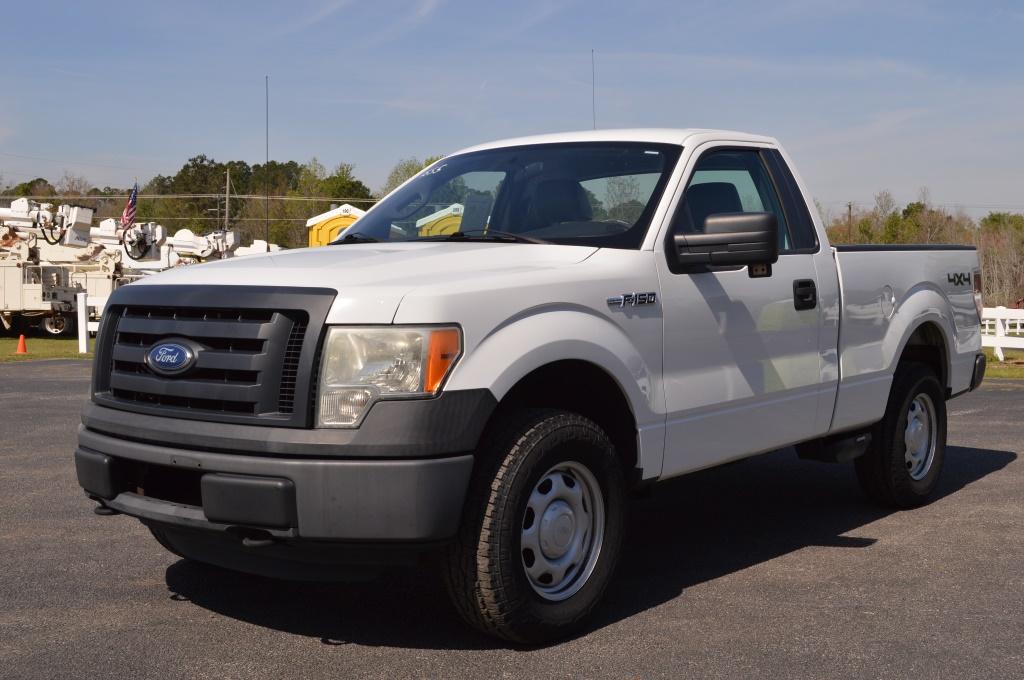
(959,278)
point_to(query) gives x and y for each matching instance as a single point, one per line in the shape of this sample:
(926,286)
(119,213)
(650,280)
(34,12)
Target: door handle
(805,294)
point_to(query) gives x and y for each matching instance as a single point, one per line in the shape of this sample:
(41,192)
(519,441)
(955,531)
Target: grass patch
(41,348)
(1012,368)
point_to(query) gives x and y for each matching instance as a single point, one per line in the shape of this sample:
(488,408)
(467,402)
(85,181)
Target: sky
(864,95)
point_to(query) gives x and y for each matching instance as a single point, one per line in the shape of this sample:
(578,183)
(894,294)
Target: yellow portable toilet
(325,228)
(442,222)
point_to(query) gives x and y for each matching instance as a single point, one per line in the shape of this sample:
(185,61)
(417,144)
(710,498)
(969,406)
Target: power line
(234,220)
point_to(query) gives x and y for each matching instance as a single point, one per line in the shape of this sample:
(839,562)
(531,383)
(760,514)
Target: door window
(730,181)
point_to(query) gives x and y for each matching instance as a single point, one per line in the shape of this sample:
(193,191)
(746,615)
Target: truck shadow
(694,529)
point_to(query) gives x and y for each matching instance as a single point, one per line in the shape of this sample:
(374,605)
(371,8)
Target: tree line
(301,190)
(194,196)
(998,236)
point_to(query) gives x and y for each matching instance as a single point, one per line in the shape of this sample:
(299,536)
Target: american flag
(128,216)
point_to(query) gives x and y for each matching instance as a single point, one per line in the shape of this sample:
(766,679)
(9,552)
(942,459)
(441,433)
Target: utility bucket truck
(46,256)
(49,255)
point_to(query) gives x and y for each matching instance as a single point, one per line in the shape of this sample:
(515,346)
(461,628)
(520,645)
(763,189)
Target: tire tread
(474,581)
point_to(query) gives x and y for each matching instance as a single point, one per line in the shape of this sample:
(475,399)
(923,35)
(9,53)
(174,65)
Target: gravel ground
(771,567)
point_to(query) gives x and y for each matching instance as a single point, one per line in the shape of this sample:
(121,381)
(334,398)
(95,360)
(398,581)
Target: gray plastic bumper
(416,500)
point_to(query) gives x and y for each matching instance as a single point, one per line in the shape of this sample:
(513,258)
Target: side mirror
(730,239)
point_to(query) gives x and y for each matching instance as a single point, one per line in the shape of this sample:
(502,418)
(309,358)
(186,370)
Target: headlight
(361,365)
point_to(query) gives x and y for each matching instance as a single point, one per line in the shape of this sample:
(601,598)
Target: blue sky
(865,95)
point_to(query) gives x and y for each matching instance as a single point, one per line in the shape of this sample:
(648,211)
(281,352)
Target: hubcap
(919,437)
(562,531)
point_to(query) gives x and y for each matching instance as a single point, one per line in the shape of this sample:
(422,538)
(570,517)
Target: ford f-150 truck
(613,309)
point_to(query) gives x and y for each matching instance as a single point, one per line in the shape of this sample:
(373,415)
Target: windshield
(596,194)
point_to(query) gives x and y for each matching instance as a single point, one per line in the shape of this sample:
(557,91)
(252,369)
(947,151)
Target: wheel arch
(584,388)
(923,329)
(582,352)
(927,343)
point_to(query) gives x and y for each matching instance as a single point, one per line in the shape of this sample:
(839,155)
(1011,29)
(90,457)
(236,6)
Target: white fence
(1001,329)
(85,326)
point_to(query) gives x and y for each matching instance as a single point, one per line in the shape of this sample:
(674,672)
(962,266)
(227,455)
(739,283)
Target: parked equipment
(48,255)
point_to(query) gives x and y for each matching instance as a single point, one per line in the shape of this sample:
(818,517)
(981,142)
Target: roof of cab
(648,135)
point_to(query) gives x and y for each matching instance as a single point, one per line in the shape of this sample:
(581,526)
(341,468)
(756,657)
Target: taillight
(977,294)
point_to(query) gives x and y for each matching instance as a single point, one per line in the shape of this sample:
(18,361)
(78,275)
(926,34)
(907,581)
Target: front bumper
(339,500)
(402,477)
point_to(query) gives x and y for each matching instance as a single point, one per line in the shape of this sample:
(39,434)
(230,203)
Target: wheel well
(927,345)
(584,388)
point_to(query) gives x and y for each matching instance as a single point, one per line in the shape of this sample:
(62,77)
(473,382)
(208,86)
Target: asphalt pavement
(772,567)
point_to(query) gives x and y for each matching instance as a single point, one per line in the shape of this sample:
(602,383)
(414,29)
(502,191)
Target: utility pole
(227,198)
(849,221)
(266,167)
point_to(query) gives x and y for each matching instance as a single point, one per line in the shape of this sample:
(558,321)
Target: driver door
(741,359)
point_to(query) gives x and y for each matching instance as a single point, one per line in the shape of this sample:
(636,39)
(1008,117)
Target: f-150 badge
(632,299)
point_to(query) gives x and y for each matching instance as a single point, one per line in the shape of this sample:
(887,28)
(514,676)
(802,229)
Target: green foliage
(1001,220)
(343,185)
(253,217)
(403,170)
(999,238)
(34,187)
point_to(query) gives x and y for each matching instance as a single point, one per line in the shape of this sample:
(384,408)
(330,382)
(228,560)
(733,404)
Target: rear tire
(542,528)
(902,467)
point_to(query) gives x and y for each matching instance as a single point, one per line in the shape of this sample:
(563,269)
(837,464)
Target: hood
(372,278)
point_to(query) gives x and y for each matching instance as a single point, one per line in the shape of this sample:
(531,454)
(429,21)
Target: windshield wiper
(492,235)
(355,238)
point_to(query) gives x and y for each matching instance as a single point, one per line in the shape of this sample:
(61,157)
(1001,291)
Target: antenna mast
(593,88)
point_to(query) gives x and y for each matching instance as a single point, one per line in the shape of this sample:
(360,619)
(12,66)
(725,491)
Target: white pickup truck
(612,308)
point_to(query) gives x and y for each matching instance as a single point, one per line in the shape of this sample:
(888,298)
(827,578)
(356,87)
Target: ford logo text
(170,358)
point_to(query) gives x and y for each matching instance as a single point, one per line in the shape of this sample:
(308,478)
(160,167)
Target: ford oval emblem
(170,358)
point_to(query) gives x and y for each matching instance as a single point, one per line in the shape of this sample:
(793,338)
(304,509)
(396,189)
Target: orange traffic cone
(22,349)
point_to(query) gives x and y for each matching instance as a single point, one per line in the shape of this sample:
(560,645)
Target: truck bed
(885,290)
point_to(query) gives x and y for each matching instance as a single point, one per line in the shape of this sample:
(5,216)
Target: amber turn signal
(442,351)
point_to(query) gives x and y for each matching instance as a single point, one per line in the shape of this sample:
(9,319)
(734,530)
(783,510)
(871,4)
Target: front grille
(290,368)
(250,364)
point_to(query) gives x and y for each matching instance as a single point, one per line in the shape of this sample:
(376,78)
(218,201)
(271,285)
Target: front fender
(536,338)
(510,352)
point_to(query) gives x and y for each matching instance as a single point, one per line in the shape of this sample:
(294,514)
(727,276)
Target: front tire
(542,529)
(166,544)
(902,467)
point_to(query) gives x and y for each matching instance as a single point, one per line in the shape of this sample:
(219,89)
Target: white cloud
(314,16)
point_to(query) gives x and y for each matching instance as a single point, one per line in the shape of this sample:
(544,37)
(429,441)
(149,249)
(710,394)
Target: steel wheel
(562,531)
(919,437)
(55,325)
